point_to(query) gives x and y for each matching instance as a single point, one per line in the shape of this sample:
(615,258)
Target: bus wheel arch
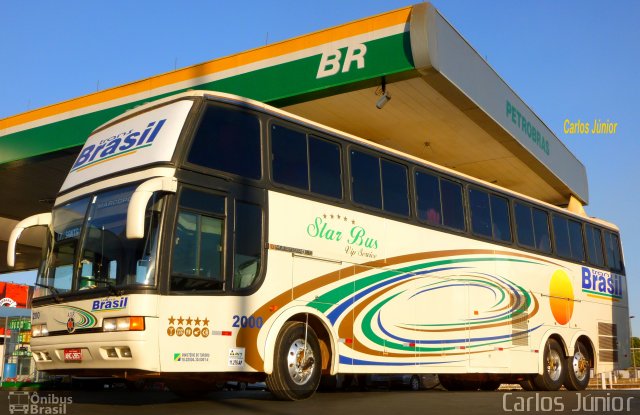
(320,325)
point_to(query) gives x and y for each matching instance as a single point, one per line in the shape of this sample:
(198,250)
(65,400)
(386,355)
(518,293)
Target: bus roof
(235,99)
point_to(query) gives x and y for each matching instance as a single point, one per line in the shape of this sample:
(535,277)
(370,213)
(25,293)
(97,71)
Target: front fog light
(123,324)
(109,324)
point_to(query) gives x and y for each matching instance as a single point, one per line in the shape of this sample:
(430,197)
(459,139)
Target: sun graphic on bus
(561,296)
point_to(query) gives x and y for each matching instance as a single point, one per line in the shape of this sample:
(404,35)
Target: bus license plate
(72,355)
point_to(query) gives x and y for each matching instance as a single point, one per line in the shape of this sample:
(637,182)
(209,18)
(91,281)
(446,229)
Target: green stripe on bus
(327,300)
(598,293)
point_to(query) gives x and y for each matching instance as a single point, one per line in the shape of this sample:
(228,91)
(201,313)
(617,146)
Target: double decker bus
(206,236)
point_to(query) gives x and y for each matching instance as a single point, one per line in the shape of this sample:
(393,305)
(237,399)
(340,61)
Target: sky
(568,60)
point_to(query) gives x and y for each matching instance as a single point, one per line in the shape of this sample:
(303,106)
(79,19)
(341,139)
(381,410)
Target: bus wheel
(296,366)
(555,368)
(578,369)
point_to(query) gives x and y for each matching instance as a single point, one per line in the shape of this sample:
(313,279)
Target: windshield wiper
(54,291)
(112,288)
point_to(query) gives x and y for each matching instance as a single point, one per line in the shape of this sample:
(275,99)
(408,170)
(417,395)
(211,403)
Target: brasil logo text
(110,304)
(124,143)
(603,285)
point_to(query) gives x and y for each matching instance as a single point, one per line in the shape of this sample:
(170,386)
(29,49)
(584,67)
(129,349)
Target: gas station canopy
(446,105)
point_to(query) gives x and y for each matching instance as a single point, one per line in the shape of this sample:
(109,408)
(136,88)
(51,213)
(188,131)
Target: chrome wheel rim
(554,365)
(300,362)
(580,366)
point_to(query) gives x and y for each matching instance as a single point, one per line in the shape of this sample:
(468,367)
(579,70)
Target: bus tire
(296,365)
(578,369)
(555,368)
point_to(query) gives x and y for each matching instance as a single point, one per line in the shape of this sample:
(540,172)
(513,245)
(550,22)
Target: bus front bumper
(136,350)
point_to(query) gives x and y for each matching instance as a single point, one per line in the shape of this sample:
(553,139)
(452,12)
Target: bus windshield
(87,245)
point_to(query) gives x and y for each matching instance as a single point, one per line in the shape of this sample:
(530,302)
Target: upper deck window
(428,198)
(289,157)
(228,139)
(612,249)
(379,183)
(594,245)
(489,215)
(325,167)
(452,205)
(532,226)
(305,162)
(365,179)
(395,192)
(568,237)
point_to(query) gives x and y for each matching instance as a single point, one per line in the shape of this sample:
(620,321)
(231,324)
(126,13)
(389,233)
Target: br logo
(333,62)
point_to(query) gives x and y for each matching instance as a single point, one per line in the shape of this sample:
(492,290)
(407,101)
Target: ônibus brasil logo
(124,143)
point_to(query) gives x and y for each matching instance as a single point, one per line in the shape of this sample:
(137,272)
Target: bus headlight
(123,324)
(39,330)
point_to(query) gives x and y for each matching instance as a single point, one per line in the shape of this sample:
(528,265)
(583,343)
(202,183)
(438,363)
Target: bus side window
(612,249)
(594,246)
(395,190)
(365,179)
(500,222)
(428,198)
(452,207)
(198,249)
(541,230)
(524,225)
(480,212)
(561,236)
(289,157)
(325,167)
(248,245)
(576,240)
(568,237)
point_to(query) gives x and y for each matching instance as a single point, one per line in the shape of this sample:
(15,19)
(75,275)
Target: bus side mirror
(139,200)
(43,219)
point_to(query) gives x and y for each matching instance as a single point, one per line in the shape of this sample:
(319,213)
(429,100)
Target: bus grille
(520,330)
(608,342)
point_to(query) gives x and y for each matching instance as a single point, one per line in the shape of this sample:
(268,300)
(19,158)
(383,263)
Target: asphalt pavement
(378,401)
